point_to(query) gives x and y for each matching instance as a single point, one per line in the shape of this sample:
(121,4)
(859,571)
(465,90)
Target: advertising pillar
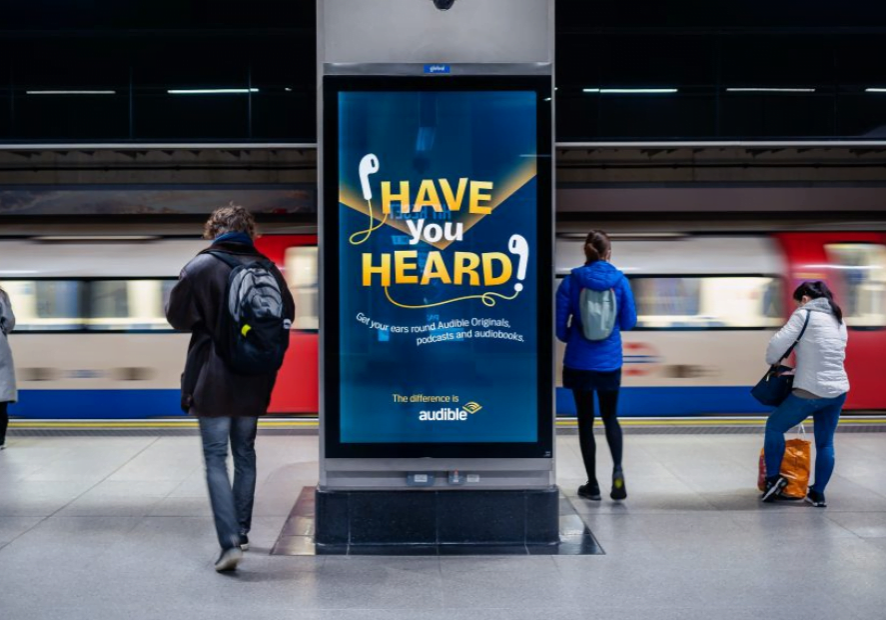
(437,274)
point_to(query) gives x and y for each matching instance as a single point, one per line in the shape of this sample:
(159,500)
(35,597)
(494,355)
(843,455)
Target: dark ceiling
(135,51)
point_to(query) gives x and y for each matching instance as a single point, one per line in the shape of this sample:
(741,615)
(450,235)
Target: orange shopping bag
(795,467)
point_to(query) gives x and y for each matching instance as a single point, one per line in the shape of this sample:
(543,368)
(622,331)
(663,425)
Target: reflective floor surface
(119,527)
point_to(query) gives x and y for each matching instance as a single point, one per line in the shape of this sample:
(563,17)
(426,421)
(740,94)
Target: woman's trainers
(774,487)
(619,490)
(816,499)
(591,490)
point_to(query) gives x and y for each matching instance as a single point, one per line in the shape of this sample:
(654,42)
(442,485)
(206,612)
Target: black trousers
(584,404)
(4,422)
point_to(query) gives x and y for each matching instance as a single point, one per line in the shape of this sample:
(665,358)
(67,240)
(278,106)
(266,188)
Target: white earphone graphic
(518,245)
(368,165)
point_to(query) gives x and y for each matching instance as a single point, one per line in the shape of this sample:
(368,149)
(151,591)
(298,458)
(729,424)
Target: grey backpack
(599,311)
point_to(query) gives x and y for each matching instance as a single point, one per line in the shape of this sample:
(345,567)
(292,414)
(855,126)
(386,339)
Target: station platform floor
(95,527)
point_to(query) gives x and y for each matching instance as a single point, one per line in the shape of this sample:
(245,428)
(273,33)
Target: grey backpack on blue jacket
(598,310)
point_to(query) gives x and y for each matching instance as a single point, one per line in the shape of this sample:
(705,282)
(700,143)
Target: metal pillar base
(430,517)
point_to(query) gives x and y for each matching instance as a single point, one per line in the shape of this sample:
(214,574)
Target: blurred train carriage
(92,341)
(91,338)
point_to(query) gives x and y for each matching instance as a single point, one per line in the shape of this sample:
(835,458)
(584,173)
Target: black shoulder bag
(776,384)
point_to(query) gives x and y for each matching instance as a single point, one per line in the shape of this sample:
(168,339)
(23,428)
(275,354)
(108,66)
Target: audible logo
(449,414)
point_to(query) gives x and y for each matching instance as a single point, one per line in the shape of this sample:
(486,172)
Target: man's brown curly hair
(232,218)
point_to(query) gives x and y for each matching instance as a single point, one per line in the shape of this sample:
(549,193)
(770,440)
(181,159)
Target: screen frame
(329,253)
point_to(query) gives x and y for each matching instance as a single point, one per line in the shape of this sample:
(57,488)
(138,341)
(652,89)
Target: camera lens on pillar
(444,5)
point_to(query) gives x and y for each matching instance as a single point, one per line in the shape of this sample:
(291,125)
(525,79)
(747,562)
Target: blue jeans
(825,412)
(231,507)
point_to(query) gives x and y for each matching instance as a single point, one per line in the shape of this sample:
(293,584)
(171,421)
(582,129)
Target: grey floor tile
(515,582)
(101,506)
(653,502)
(377,582)
(182,507)
(847,495)
(117,488)
(800,522)
(13,527)
(167,458)
(38,507)
(877,543)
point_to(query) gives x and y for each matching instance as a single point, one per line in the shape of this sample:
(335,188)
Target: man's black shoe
(228,559)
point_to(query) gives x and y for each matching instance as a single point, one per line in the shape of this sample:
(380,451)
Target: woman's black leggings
(4,422)
(584,403)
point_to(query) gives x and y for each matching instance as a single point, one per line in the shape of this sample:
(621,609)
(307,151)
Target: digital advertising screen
(437,269)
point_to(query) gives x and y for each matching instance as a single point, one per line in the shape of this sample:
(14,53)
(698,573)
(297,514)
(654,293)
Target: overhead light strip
(637,91)
(770,90)
(71,92)
(211,91)
(875,90)
(63,238)
(630,91)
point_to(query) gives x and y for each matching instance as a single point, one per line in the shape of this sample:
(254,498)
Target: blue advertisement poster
(437,230)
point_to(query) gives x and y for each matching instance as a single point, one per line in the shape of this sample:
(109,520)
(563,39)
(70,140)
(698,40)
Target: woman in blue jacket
(595,365)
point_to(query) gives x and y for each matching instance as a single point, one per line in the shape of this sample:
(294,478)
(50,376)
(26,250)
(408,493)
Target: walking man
(237,306)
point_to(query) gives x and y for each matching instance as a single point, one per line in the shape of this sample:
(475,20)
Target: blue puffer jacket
(581,353)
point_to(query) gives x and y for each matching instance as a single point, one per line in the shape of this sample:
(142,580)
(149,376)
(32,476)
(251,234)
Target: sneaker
(619,490)
(228,559)
(816,499)
(591,490)
(774,487)
(244,542)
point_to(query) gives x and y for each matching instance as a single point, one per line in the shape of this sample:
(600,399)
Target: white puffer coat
(7,368)
(820,353)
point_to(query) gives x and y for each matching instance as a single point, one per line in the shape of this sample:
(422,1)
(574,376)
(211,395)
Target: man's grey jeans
(231,507)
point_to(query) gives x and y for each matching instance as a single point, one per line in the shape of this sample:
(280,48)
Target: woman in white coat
(819,390)
(8,393)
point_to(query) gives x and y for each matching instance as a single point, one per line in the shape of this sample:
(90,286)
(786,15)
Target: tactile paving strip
(137,432)
(630,426)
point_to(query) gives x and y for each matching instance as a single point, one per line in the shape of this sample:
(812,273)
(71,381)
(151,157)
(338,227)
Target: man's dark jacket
(196,304)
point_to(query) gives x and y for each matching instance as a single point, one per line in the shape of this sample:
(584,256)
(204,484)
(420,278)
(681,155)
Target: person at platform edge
(8,392)
(594,305)
(227,402)
(819,389)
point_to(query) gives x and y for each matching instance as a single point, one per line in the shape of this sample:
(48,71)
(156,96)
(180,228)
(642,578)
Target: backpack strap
(224,257)
(575,297)
(261,259)
(796,342)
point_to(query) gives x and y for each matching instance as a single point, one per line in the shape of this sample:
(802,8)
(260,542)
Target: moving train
(92,341)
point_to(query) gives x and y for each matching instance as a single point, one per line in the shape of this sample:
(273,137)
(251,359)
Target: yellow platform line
(313,423)
(715,422)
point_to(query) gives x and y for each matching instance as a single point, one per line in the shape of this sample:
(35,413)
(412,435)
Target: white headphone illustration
(368,165)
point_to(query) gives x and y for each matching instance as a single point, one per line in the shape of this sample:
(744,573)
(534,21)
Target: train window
(301,276)
(116,305)
(861,269)
(46,305)
(727,302)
